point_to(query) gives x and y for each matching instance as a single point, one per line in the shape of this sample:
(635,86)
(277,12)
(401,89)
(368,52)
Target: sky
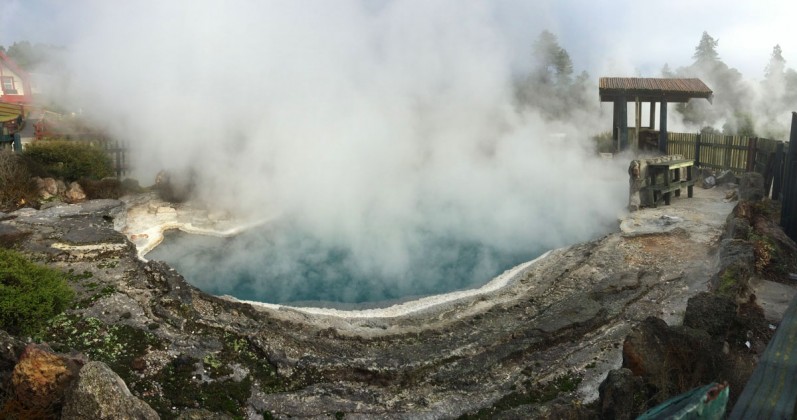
(615,37)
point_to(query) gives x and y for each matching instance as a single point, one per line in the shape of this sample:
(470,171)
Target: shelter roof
(649,89)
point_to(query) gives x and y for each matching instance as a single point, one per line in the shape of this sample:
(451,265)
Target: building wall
(18,84)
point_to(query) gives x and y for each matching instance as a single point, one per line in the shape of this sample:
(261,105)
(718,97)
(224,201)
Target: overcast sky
(617,37)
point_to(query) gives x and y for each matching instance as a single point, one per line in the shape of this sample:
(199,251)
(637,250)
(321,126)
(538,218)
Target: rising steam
(371,125)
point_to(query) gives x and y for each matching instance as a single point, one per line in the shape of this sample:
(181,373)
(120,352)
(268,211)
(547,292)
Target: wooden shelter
(622,90)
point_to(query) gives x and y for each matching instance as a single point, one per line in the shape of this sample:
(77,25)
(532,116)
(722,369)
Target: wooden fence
(735,153)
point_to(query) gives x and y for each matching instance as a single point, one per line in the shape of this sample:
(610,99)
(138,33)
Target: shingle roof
(652,89)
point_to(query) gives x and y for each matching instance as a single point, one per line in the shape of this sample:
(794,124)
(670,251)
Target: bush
(69,160)
(30,294)
(16,186)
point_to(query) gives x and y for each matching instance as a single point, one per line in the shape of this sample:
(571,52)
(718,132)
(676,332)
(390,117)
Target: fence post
(777,171)
(788,215)
(726,157)
(697,150)
(752,148)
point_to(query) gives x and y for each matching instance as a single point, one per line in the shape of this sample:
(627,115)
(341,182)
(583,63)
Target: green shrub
(16,186)
(70,160)
(30,294)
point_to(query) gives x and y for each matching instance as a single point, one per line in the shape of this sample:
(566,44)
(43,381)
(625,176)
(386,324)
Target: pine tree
(706,50)
(777,64)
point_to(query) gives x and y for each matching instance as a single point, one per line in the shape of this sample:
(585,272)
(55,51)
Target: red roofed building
(14,82)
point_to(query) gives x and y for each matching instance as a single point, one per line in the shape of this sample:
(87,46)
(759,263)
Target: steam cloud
(371,125)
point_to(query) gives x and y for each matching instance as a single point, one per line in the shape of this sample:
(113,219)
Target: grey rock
(708,182)
(711,313)
(9,235)
(202,414)
(75,193)
(751,186)
(10,349)
(101,394)
(726,177)
(618,395)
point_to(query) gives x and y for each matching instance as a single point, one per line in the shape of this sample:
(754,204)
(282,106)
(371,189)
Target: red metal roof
(652,89)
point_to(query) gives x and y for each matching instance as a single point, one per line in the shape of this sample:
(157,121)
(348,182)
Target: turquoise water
(283,264)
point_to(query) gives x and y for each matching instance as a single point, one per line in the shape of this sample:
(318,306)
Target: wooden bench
(664,178)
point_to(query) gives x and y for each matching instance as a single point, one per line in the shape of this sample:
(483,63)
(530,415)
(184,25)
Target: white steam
(368,126)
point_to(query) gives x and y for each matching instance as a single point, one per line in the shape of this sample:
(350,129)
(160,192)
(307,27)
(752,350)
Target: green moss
(115,345)
(239,350)
(88,301)
(727,282)
(181,389)
(30,294)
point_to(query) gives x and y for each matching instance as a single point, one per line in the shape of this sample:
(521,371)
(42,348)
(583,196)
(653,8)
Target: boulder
(74,194)
(10,349)
(634,185)
(726,177)
(751,186)
(41,377)
(711,313)
(101,394)
(622,395)
(736,267)
(671,360)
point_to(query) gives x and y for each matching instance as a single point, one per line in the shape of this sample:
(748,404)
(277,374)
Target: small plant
(30,294)
(17,189)
(70,160)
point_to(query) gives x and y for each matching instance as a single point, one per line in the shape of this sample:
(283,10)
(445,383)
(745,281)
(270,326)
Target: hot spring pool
(284,265)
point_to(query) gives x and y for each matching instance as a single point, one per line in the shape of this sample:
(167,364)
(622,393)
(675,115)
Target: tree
(552,62)
(777,64)
(732,97)
(706,50)
(550,86)
(666,71)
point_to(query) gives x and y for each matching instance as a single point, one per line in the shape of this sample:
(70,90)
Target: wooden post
(697,149)
(616,125)
(663,127)
(726,162)
(777,171)
(788,214)
(752,148)
(652,120)
(17,143)
(623,115)
(638,122)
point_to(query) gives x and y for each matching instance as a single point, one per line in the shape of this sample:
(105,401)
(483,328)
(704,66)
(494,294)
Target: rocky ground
(538,347)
